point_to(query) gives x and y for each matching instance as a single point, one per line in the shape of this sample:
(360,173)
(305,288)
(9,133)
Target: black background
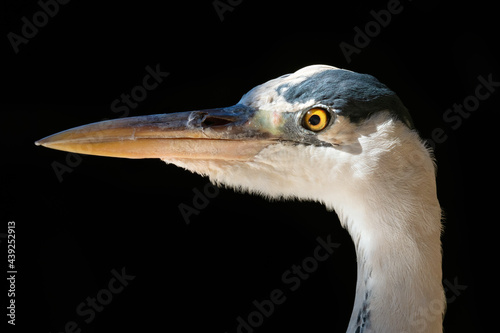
(123,214)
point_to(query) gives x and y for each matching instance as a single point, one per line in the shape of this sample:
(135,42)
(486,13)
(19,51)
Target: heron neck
(394,220)
(399,286)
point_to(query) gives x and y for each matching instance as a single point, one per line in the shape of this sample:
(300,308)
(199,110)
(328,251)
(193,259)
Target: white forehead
(267,97)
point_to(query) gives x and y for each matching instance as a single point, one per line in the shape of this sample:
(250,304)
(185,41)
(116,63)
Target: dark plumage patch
(354,95)
(363,319)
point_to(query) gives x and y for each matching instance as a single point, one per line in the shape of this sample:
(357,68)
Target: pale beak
(227,133)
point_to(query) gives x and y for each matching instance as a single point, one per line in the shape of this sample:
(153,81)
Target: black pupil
(314,120)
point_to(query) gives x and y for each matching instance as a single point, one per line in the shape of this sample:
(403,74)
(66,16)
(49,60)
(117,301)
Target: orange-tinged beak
(228,133)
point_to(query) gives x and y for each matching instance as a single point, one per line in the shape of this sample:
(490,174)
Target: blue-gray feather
(354,95)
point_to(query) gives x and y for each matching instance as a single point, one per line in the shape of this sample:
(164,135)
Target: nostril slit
(211,121)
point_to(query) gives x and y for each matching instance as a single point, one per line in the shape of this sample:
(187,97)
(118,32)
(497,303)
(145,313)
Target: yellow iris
(316,119)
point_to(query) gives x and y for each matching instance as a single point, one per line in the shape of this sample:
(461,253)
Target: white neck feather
(398,251)
(394,219)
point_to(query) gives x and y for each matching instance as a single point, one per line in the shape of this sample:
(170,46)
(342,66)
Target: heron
(325,134)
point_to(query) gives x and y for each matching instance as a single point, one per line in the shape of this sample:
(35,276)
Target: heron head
(283,138)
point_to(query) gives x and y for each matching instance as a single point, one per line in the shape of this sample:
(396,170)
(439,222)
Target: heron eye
(316,119)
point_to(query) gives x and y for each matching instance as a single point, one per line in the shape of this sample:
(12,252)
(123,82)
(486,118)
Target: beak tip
(47,142)
(42,142)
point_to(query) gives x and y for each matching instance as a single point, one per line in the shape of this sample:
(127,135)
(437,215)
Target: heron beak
(227,133)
